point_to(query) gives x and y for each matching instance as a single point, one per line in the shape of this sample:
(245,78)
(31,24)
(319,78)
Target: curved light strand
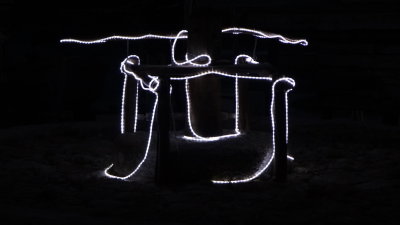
(199,138)
(262,168)
(232,30)
(152,87)
(287,120)
(260,34)
(122,67)
(119,37)
(248,59)
(196,138)
(187,60)
(106,173)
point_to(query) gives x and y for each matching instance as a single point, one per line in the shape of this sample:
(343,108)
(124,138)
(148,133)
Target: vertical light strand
(137,88)
(136,106)
(262,167)
(197,137)
(187,60)
(287,114)
(153,84)
(188,108)
(123,105)
(106,171)
(287,120)
(152,87)
(237,104)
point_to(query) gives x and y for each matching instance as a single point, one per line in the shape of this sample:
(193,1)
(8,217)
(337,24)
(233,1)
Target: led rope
(152,87)
(136,107)
(236,102)
(233,30)
(123,70)
(123,105)
(287,114)
(287,120)
(262,168)
(260,34)
(118,37)
(143,84)
(123,97)
(199,138)
(218,72)
(106,173)
(248,59)
(187,60)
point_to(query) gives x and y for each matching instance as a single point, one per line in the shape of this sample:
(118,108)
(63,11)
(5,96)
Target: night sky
(347,78)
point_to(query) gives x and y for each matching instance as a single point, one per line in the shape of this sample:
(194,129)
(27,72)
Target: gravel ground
(344,172)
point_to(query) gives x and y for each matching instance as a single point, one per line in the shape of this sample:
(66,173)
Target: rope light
(151,83)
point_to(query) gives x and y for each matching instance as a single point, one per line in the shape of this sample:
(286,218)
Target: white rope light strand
(187,60)
(221,73)
(151,83)
(123,105)
(262,168)
(136,106)
(287,114)
(106,171)
(199,138)
(118,37)
(287,120)
(248,59)
(152,87)
(123,70)
(260,34)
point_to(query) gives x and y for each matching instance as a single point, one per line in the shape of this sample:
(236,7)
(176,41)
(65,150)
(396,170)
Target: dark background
(350,65)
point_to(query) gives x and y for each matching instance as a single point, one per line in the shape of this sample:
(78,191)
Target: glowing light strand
(260,34)
(123,105)
(152,87)
(187,60)
(199,138)
(119,37)
(221,73)
(287,114)
(106,171)
(123,71)
(136,107)
(237,103)
(262,168)
(248,59)
(232,30)
(287,120)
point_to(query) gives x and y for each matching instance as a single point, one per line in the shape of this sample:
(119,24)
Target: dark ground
(345,172)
